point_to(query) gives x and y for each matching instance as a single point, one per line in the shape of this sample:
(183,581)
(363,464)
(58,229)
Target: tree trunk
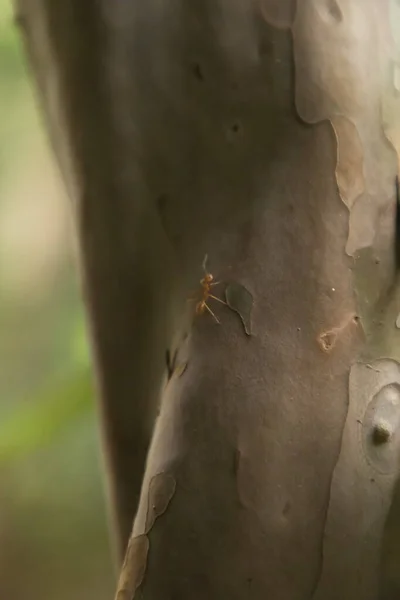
(262,134)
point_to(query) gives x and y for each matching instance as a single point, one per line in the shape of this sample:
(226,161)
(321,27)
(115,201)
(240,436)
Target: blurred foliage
(46,417)
(10,61)
(53,523)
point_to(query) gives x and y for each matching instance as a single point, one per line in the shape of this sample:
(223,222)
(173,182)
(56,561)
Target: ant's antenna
(205,264)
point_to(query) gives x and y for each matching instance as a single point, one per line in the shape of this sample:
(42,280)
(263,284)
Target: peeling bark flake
(350,161)
(170,363)
(239,299)
(134,568)
(333,11)
(161,490)
(278,13)
(381,429)
(364,476)
(341,80)
(180,369)
(390,111)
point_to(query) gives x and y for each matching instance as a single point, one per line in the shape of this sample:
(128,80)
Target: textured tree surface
(264,134)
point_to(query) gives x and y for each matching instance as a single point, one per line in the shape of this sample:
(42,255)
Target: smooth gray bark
(264,135)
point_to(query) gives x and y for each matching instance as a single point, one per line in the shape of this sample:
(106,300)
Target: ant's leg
(211,313)
(218,299)
(215,283)
(200,307)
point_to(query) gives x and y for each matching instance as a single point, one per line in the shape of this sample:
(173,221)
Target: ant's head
(208,278)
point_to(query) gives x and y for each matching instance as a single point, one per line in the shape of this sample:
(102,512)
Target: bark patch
(381,429)
(161,490)
(391,109)
(251,492)
(350,160)
(239,299)
(180,369)
(349,84)
(343,79)
(363,483)
(278,13)
(134,567)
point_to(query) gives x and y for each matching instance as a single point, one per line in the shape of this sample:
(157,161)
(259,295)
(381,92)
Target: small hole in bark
(381,433)
(233,131)
(162,202)
(235,127)
(197,71)
(328,339)
(266,48)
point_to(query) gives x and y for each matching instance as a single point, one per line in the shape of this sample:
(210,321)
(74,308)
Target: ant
(206,284)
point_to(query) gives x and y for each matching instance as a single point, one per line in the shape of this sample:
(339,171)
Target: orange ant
(206,284)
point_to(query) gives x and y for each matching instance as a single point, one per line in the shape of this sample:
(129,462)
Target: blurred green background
(54,541)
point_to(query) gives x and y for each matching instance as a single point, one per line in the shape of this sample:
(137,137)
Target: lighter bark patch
(278,13)
(350,161)
(332,11)
(339,52)
(381,429)
(362,485)
(134,568)
(364,219)
(391,111)
(333,76)
(161,490)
